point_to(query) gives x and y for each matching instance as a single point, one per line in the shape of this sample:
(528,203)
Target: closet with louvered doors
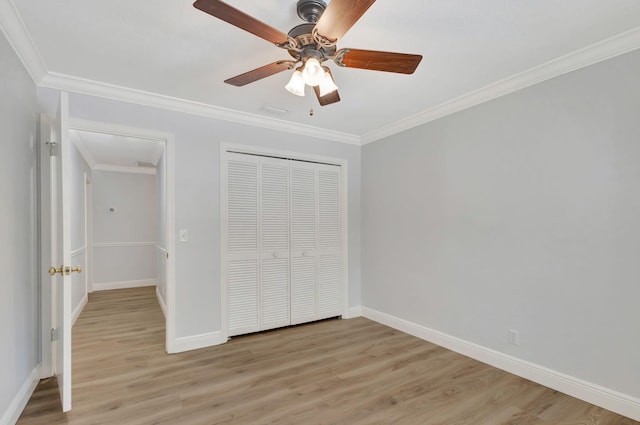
(282,223)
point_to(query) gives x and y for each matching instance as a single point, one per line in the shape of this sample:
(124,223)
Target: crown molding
(19,38)
(603,50)
(125,94)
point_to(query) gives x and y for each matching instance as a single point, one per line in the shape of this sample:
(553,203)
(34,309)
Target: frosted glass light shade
(312,74)
(327,85)
(296,84)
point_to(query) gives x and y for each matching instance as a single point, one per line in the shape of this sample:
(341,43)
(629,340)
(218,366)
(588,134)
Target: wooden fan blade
(327,99)
(339,17)
(260,73)
(378,61)
(241,20)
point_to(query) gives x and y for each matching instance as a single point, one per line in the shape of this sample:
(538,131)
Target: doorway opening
(132,174)
(124,222)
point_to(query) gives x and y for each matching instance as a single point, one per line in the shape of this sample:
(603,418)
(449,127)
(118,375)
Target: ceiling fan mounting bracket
(311,10)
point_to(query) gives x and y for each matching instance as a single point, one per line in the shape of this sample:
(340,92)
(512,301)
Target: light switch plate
(184,235)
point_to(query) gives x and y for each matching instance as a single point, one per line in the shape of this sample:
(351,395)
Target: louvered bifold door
(274,243)
(304,243)
(329,241)
(241,256)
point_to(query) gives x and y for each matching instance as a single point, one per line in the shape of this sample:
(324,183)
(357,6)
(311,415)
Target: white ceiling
(117,153)
(473,51)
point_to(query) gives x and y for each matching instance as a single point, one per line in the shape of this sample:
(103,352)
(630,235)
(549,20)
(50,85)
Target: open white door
(61,250)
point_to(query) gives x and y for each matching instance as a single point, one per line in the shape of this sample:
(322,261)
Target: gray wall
(19,311)
(520,213)
(197,191)
(124,241)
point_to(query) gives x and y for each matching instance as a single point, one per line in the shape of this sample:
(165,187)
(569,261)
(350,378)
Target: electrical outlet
(513,337)
(184,235)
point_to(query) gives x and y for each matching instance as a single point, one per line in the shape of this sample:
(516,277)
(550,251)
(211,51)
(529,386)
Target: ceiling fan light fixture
(296,83)
(312,73)
(327,85)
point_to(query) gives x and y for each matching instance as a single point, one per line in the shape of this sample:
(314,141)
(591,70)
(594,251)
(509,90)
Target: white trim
(224,323)
(105,286)
(583,390)
(125,94)
(124,169)
(163,306)
(17,405)
(117,130)
(121,244)
(79,251)
(80,144)
(46,293)
(170,283)
(78,310)
(279,153)
(598,52)
(225,148)
(194,342)
(353,312)
(19,38)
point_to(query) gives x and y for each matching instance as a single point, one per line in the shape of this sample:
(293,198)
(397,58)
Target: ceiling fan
(311,44)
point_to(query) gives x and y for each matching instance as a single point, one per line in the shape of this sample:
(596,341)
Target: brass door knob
(53,270)
(67,270)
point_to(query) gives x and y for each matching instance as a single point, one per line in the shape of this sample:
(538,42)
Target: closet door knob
(275,255)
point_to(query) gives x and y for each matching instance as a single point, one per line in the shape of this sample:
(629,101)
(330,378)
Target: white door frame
(46,288)
(226,147)
(169,143)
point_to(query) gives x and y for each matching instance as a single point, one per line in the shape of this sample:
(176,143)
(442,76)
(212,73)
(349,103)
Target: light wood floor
(334,372)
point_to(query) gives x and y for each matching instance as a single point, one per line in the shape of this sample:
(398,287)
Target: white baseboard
(187,343)
(76,311)
(105,286)
(13,412)
(353,312)
(163,306)
(592,393)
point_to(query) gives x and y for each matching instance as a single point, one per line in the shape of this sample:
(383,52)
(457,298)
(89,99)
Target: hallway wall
(124,239)
(19,289)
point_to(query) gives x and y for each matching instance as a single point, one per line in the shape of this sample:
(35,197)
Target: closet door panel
(304,243)
(304,297)
(242,295)
(275,293)
(274,243)
(329,286)
(242,256)
(329,242)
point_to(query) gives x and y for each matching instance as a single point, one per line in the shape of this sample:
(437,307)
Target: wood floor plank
(351,372)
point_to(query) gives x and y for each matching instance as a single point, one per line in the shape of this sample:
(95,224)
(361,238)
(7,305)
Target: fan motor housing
(303,35)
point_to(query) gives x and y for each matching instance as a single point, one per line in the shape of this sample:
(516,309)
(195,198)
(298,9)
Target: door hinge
(52,148)
(54,334)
